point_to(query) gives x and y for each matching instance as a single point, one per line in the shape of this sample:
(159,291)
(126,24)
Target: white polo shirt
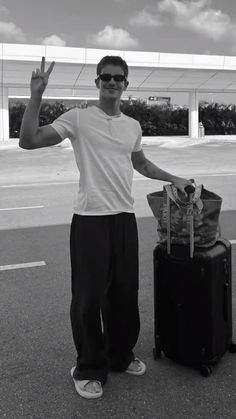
(102,146)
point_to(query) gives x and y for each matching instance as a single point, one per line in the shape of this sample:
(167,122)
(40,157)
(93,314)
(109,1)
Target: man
(103,241)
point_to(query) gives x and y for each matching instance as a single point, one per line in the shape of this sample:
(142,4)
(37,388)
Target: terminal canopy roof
(149,72)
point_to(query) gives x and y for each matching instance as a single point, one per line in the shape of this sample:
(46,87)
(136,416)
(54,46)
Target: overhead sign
(159,99)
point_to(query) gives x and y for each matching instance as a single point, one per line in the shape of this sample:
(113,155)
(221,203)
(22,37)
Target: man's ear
(126,84)
(97,82)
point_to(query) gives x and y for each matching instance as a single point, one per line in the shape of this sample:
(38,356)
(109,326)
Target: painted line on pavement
(74,182)
(22,265)
(21,208)
(195,175)
(42,263)
(216,174)
(26,185)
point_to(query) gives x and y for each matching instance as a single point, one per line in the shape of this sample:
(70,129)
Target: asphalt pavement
(37,189)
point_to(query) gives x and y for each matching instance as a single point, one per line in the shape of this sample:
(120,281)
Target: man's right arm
(31,135)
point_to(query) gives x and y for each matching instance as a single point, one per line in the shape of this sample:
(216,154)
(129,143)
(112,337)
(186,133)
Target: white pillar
(4,114)
(193,116)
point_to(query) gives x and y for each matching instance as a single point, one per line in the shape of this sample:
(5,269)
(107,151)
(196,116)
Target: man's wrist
(36,97)
(171,178)
(174,179)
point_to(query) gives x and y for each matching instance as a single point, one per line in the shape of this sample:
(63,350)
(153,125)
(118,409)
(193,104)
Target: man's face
(111,89)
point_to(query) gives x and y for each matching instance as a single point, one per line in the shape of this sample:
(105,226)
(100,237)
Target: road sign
(160,100)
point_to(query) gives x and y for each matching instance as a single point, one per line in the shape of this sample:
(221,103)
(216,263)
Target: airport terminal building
(150,74)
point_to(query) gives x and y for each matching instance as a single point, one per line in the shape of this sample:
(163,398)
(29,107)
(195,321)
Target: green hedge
(154,120)
(48,113)
(218,118)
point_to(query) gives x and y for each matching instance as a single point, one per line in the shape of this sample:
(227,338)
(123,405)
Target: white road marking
(21,208)
(42,263)
(194,175)
(22,265)
(27,185)
(215,174)
(74,182)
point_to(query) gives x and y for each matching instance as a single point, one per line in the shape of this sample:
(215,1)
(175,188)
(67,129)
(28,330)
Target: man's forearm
(151,171)
(30,122)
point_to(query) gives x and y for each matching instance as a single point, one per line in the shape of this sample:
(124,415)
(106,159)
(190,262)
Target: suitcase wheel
(205,370)
(232,348)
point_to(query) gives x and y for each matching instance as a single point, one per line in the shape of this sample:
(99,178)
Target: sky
(183,26)
(174,26)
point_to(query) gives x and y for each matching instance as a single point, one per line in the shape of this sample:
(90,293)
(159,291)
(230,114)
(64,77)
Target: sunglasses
(108,77)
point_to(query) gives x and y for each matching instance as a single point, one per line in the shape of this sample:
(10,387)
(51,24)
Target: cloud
(198,17)
(182,7)
(10,31)
(54,40)
(4,10)
(145,18)
(214,24)
(113,38)
(195,15)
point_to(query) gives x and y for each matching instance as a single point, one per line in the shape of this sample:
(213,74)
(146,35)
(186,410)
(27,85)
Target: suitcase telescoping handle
(190,189)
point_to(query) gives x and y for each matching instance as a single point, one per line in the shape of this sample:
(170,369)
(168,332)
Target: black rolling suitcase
(193,303)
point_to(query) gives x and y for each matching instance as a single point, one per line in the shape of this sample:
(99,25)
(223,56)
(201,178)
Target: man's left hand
(181,183)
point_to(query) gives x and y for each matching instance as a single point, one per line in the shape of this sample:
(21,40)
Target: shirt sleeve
(138,145)
(66,124)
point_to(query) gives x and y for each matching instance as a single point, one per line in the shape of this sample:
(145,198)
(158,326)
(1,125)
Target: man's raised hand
(39,79)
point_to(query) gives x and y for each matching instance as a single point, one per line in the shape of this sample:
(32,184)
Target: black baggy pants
(104,308)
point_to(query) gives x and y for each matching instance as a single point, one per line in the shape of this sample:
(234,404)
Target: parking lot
(37,190)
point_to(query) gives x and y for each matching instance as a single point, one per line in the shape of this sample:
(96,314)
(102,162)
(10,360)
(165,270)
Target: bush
(218,118)
(16,111)
(154,120)
(48,112)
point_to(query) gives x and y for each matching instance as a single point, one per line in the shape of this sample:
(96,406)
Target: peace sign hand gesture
(39,79)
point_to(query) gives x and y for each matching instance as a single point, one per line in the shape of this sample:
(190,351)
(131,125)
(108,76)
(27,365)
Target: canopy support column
(193,115)
(4,114)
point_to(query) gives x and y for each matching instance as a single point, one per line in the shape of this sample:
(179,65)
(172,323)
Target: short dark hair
(115,60)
